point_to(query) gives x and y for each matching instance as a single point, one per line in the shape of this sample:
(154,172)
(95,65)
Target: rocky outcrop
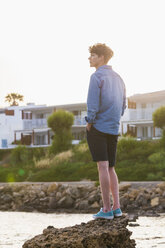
(93,234)
(56,197)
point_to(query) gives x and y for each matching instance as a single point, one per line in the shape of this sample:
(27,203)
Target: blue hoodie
(106,100)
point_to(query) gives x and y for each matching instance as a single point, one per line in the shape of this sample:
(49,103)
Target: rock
(159,191)
(65,202)
(41,194)
(52,203)
(155,202)
(52,187)
(141,200)
(74,193)
(93,234)
(134,193)
(16,195)
(161,186)
(7,198)
(133,224)
(92,198)
(58,196)
(132,217)
(124,187)
(95,205)
(83,205)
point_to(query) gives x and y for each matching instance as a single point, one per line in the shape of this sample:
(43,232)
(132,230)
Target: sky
(44,46)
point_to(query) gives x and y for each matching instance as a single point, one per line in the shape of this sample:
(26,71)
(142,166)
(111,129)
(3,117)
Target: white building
(137,119)
(28,124)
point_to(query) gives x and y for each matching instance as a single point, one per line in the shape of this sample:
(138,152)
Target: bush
(136,161)
(61,122)
(23,156)
(20,156)
(13,174)
(158,157)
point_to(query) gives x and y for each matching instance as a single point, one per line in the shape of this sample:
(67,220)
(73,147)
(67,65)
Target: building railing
(34,123)
(42,123)
(140,114)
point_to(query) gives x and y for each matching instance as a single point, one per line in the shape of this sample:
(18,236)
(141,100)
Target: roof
(45,108)
(146,97)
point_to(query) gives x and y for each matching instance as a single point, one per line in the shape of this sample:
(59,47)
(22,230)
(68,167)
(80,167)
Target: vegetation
(61,122)
(159,121)
(136,161)
(13,99)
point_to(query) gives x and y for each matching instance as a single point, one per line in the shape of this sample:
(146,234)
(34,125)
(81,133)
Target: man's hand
(88,127)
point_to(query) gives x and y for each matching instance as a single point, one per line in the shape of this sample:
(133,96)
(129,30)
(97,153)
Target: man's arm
(93,100)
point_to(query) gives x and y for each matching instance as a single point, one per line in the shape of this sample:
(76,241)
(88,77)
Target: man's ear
(102,58)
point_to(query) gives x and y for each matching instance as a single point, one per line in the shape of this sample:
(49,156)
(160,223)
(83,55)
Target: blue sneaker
(117,212)
(101,215)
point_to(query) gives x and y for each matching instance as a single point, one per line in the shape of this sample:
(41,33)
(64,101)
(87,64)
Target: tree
(61,122)
(159,121)
(13,99)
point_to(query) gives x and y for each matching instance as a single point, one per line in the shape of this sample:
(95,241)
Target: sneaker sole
(117,215)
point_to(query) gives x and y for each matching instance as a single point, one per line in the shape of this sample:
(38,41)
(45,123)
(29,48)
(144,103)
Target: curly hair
(102,49)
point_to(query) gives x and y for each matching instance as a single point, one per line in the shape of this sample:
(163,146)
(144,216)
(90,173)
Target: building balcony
(140,114)
(42,123)
(34,123)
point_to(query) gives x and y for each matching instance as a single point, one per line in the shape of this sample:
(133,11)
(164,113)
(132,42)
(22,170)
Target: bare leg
(114,186)
(105,184)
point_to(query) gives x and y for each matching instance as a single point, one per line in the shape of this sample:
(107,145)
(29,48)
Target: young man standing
(106,103)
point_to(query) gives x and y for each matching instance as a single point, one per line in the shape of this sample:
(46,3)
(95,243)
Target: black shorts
(102,146)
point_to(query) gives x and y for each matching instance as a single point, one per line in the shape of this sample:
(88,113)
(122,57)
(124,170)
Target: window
(131,105)
(9,112)
(27,115)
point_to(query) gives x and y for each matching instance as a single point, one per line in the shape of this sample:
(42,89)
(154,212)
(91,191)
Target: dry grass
(44,163)
(82,148)
(59,158)
(62,157)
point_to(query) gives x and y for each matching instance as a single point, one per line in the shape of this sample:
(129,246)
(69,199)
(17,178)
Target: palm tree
(13,99)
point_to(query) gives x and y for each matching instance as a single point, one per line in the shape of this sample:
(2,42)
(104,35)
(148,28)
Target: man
(106,103)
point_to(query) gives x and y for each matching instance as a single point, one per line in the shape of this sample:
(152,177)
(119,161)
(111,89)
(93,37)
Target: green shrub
(157,157)
(25,156)
(4,153)
(156,177)
(20,156)
(13,174)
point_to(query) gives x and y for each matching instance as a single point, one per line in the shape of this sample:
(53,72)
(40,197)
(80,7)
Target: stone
(141,200)
(134,224)
(95,205)
(124,187)
(52,187)
(74,193)
(41,194)
(155,202)
(83,205)
(93,234)
(161,186)
(16,195)
(92,198)
(6,198)
(58,196)
(133,193)
(52,203)
(65,202)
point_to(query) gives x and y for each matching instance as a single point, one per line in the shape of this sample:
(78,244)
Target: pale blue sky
(44,46)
